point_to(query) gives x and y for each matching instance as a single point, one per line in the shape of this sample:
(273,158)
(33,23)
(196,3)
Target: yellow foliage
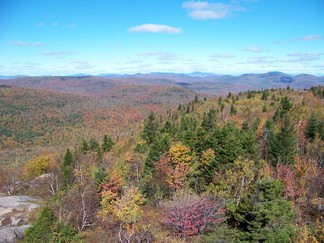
(304,236)
(38,166)
(180,153)
(207,156)
(236,182)
(127,209)
(107,202)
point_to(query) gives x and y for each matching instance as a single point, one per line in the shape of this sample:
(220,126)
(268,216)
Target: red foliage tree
(287,176)
(189,214)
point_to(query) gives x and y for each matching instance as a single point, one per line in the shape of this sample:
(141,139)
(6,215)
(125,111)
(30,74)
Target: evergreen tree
(196,100)
(93,145)
(84,146)
(150,128)
(285,106)
(283,145)
(227,144)
(312,127)
(264,215)
(245,125)
(209,120)
(107,143)
(41,231)
(160,144)
(256,124)
(250,145)
(45,229)
(67,168)
(169,127)
(201,142)
(233,110)
(265,94)
(187,131)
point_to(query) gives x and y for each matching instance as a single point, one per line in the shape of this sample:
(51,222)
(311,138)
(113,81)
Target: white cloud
(162,56)
(222,56)
(155,28)
(24,43)
(312,38)
(201,10)
(253,49)
(261,60)
(58,53)
(83,65)
(305,54)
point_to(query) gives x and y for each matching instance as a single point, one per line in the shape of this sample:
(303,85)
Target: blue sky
(40,37)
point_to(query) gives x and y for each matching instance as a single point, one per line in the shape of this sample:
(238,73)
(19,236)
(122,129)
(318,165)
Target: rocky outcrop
(14,215)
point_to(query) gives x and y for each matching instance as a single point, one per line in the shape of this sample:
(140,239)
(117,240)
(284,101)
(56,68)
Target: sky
(65,37)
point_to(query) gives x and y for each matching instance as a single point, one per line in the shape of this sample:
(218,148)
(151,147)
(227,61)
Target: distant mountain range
(208,83)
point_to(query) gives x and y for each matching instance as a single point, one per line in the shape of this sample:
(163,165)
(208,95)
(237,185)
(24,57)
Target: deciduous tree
(188,214)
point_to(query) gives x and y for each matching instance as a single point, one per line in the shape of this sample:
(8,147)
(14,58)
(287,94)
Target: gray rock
(14,214)
(11,234)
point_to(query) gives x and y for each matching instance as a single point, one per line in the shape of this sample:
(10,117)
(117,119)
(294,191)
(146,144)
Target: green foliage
(312,127)
(41,231)
(187,131)
(222,233)
(233,110)
(45,229)
(250,146)
(169,127)
(93,145)
(265,94)
(107,143)
(99,175)
(283,145)
(285,106)
(84,146)
(67,168)
(161,143)
(150,128)
(227,144)
(264,216)
(209,121)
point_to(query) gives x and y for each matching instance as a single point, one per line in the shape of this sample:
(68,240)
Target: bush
(46,229)
(189,214)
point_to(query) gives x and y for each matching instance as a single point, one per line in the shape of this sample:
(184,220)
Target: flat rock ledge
(14,215)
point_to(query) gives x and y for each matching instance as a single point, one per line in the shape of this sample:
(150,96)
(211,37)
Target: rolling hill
(208,83)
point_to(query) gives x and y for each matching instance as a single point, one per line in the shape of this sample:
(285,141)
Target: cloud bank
(201,10)
(155,28)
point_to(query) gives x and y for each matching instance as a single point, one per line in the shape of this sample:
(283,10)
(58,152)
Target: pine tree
(250,145)
(93,145)
(84,146)
(312,127)
(233,110)
(227,144)
(107,143)
(196,100)
(264,215)
(160,144)
(209,120)
(265,94)
(150,128)
(67,168)
(285,106)
(283,145)
(187,131)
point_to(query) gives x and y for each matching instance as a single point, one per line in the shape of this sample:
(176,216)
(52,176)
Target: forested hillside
(246,167)
(32,119)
